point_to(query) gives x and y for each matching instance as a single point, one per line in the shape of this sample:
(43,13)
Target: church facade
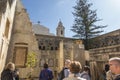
(55,49)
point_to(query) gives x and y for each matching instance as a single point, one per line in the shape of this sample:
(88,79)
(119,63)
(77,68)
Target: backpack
(61,74)
(83,74)
(46,75)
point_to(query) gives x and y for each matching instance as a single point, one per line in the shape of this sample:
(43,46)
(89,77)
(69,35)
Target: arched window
(61,32)
(39,47)
(43,48)
(51,48)
(56,48)
(6,33)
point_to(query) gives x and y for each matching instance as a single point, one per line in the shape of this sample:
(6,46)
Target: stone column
(71,53)
(60,54)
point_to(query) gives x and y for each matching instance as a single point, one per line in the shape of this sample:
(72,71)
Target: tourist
(8,72)
(110,75)
(114,64)
(75,68)
(65,71)
(46,73)
(86,73)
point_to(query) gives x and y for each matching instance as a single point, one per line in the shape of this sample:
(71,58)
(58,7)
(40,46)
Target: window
(56,48)
(6,33)
(1,45)
(0,19)
(51,48)
(43,48)
(20,56)
(39,47)
(61,32)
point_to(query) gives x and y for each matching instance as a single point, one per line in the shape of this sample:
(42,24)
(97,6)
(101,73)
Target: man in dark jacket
(114,64)
(46,73)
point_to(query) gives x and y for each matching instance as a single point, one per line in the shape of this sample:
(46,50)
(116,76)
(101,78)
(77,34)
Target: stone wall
(54,50)
(107,46)
(109,39)
(23,41)
(7,11)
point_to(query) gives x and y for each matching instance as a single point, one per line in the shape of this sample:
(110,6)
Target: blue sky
(49,12)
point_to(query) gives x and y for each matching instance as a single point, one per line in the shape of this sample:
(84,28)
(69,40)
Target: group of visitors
(71,71)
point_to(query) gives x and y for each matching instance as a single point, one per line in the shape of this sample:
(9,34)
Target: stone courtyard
(19,37)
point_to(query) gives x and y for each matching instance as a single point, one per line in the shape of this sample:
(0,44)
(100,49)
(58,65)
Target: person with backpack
(65,71)
(86,73)
(46,73)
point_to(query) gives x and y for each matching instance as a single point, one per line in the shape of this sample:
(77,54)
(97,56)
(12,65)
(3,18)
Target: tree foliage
(31,60)
(84,23)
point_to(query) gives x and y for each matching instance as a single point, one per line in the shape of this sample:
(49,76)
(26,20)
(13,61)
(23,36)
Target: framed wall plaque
(20,56)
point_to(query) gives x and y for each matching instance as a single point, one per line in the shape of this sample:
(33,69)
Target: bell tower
(60,30)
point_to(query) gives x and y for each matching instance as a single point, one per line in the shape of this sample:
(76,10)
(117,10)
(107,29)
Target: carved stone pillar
(60,53)
(71,53)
